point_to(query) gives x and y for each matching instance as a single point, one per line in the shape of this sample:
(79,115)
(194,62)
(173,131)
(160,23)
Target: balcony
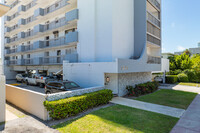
(42,12)
(155,3)
(72,15)
(71,37)
(26,21)
(14,3)
(153,40)
(52,25)
(154,60)
(24,8)
(153,19)
(9,18)
(151,29)
(58,59)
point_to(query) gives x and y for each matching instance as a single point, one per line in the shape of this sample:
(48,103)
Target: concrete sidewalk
(10,116)
(181,88)
(26,125)
(170,111)
(190,121)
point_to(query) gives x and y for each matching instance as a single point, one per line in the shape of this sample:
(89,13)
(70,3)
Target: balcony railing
(153,19)
(55,6)
(49,60)
(155,3)
(52,8)
(14,3)
(153,30)
(154,60)
(55,24)
(153,40)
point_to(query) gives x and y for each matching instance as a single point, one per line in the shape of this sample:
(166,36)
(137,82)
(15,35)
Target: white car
(21,77)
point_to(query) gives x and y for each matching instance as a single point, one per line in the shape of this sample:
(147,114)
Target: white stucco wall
(105,30)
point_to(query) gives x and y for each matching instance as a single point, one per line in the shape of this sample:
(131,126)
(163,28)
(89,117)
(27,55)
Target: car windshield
(70,85)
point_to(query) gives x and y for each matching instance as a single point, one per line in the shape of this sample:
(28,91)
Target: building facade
(101,42)
(39,35)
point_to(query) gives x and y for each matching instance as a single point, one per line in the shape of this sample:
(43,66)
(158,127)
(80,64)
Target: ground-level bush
(183,78)
(192,76)
(142,89)
(171,79)
(175,72)
(71,106)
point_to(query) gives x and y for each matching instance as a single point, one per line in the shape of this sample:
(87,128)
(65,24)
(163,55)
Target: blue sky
(180,24)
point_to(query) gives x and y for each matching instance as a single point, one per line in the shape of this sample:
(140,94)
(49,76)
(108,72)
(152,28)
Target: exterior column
(2,99)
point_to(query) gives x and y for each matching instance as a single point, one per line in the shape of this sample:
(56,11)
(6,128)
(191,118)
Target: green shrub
(142,89)
(183,78)
(171,79)
(71,106)
(175,72)
(192,77)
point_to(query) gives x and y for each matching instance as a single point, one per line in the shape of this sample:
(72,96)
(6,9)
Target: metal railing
(153,30)
(153,40)
(27,48)
(14,3)
(154,60)
(55,6)
(28,33)
(55,24)
(155,3)
(153,19)
(30,5)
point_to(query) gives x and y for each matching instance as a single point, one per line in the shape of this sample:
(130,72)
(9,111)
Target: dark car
(60,86)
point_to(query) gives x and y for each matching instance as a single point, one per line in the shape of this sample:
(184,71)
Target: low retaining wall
(32,102)
(29,101)
(63,95)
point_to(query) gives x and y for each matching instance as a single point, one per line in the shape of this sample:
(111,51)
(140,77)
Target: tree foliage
(181,62)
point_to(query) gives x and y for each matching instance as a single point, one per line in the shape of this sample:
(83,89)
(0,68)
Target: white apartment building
(96,42)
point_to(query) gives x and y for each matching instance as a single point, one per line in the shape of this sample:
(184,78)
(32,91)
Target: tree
(180,62)
(187,52)
(196,62)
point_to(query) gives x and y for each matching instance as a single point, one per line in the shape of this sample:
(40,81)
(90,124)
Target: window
(70,85)
(56,21)
(56,34)
(46,54)
(28,56)
(56,5)
(68,51)
(48,9)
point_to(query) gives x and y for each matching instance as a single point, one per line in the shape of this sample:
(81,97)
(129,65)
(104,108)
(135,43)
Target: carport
(3,10)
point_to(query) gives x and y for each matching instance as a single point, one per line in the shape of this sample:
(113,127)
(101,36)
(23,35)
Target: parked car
(21,77)
(39,79)
(60,86)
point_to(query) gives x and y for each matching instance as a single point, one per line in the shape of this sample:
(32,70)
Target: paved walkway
(190,121)
(174,112)
(181,88)
(26,125)
(10,116)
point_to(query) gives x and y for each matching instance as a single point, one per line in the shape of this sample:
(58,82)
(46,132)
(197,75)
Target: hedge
(65,108)
(192,76)
(142,89)
(171,79)
(183,78)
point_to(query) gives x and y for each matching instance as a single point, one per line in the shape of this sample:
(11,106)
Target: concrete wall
(29,101)
(105,32)
(2,98)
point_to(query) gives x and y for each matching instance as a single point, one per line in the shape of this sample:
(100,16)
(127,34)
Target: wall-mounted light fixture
(107,79)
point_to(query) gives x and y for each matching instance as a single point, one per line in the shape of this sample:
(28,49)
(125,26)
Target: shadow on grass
(120,119)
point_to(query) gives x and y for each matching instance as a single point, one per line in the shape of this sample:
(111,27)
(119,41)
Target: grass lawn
(190,84)
(119,119)
(172,98)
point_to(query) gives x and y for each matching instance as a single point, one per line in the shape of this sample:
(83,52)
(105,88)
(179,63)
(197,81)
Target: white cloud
(181,48)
